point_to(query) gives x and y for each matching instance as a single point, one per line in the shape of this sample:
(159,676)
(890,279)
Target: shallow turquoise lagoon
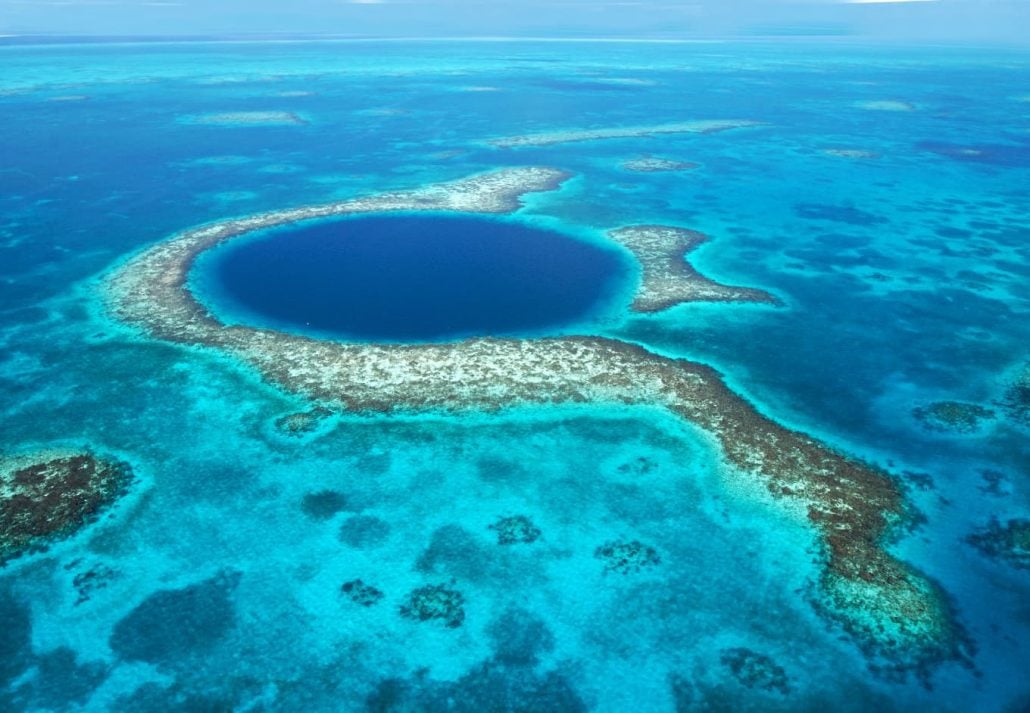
(269,554)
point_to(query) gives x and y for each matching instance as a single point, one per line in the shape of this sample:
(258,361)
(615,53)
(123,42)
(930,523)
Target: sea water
(218,585)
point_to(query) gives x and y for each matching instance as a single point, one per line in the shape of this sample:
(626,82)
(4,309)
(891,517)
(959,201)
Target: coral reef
(627,557)
(248,118)
(755,670)
(851,153)
(651,164)
(954,416)
(90,580)
(49,495)
(890,609)
(360,593)
(668,279)
(885,105)
(435,602)
(551,138)
(1009,542)
(638,466)
(302,422)
(1016,401)
(517,529)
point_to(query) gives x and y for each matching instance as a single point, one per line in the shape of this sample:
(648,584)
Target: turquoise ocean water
(216,583)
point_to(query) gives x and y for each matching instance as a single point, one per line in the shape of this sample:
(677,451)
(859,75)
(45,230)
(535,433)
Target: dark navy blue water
(416,278)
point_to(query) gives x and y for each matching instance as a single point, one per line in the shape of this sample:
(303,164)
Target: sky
(971,21)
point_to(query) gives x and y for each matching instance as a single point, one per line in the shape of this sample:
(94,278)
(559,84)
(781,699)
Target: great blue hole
(411,278)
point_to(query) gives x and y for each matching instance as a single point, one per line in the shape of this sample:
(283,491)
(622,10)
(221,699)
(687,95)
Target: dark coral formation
(955,416)
(323,504)
(1009,542)
(638,466)
(627,557)
(994,482)
(360,593)
(302,422)
(363,531)
(89,580)
(46,497)
(755,670)
(172,624)
(517,529)
(1016,402)
(435,602)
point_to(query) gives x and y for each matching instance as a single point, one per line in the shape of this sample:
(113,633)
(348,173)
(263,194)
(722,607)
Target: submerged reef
(627,557)
(653,164)
(514,530)
(360,593)
(709,126)
(50,495)
(302,422)
(885,105)
(435,602)
(954,416)
(1016,401)
(755,670)
(668,279)
(1009,542)
(248,118)
(890,609)
(851,153)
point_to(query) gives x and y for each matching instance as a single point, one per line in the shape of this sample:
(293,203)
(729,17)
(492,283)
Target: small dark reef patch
(627,557)
(515,530)
(1009,542)
(955,416)
(435,602)
(755,670)
(360,593)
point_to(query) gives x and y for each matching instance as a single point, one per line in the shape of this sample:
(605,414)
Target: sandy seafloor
(904,278)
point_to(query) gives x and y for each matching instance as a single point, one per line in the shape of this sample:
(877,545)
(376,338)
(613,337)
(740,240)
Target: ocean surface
(884,199)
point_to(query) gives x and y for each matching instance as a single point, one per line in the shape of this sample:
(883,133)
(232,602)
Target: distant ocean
(883,197)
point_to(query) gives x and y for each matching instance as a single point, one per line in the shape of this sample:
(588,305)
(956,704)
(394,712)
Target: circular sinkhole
(412,278)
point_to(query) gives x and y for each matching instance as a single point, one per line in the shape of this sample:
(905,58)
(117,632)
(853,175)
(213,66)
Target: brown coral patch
(48,496)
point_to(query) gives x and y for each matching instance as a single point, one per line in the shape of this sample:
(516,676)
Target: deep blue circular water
(412,278)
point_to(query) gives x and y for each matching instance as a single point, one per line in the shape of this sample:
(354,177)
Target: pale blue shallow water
(904,281)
